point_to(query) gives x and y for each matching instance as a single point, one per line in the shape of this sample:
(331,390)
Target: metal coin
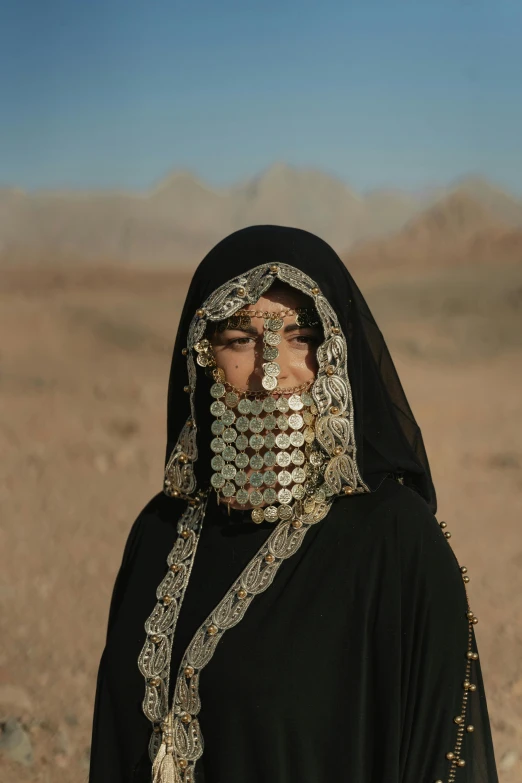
(271,368)
(295,421)
(217,408)
(229,471)
(228,418)
(217,481)
(270,477)
(217,445)
(242,442)
(284,478)
(320,495)
(229,453)
(297,457)
(309,506)
(272,338)
(269,404)
(269,458)
(270,440)
(274,324)
(309,435)
(203,359)
(244,405)
(256,407)
(242,496)
(297,439)
(231,399)
(308,418)
(316,458)
(269,382)
(258,515)
(313,409)
(269,354)
(295,402)
(228,490)
(256,498)
(284,496)
(271,513)
(242,424)
(257,462)
(283,441)
(217,390)
(282,404)
(241,460)
(298,491)
(283,459)
(270,495)
(307,399)
(257,480)
(256,442)
(256,425)
(298,475)
(241,478)
(282,422)
(285,512)
(269,422)
(229,435)
(217,427)
(217,463)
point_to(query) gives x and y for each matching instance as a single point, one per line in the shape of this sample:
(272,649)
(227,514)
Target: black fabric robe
(348,668)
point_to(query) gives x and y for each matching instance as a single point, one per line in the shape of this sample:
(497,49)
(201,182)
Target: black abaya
(350,666)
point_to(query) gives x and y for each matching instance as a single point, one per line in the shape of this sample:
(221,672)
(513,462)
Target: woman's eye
(241,341)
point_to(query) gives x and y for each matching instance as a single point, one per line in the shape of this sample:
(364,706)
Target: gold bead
(166,600)
(155,682)
(183,459)
(185,533)
(475,620)
(439,781)
(186,389)
(465,579)
(338,450)
(443,524)
(212,630)
(315,291)
(175,493)
(348,490)
(458,719)
(156,729)
(241,291)
(336,330)
(200,312)
(189,672)
(466,685)
(463,569)
(450,756)
(470,728)
(156,639)
(330,370)
(274,269)
(469,614)
(269,558)
(447,534)
(241,593)
(184,351)
(175,568)
(186,718)
(461,763)
(296,524)
(475,656)
(334,410)
(473,687)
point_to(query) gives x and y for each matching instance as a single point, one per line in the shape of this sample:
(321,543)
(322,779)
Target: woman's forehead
(280,297)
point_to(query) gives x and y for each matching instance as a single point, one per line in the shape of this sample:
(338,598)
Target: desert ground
(85,356)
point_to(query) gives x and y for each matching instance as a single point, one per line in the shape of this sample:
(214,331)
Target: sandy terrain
(84,365)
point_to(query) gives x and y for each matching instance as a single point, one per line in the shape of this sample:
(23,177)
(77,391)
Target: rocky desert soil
(84,360)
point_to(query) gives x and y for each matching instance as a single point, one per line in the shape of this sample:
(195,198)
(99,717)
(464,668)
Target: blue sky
(117,93)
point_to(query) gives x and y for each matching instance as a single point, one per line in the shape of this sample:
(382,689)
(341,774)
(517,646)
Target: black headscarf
(388,438)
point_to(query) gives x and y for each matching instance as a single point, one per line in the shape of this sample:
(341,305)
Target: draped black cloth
(350,666)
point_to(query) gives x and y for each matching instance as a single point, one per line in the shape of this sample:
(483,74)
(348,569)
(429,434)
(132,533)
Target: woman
(289,610)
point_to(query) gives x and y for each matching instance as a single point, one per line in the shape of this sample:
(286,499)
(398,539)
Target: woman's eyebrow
(295,327)
(247,329)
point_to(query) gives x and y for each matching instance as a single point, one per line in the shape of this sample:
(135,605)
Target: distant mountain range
(177,222)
